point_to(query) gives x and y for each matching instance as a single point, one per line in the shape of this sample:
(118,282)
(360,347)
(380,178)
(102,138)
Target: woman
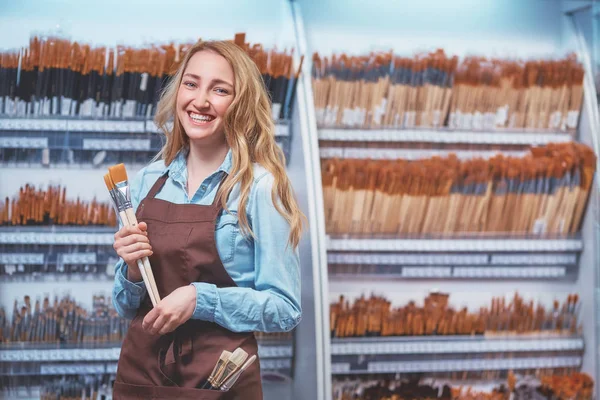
(221,227)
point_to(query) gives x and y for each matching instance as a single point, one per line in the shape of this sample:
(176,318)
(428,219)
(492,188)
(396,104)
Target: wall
(503,28)
(135,22)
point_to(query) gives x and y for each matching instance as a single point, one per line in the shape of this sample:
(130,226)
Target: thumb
(143,226)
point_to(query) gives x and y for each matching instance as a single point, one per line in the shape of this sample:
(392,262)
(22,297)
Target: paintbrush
(228,367)
(118,176)
(232,379)
(223,359)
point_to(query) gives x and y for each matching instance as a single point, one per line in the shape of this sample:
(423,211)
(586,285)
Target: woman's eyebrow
(192,75)
(221,81)
(216,80)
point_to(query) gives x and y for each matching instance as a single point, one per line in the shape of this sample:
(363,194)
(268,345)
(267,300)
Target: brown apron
(175,365)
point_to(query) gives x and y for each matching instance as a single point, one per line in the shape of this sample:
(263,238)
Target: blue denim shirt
(266,270)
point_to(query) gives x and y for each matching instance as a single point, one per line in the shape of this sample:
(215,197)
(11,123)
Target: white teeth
(201,117)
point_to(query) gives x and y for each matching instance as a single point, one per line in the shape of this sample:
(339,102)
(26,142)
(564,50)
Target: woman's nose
(200,101)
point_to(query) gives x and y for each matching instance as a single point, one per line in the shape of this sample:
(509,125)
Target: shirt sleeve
(126,295)
(273,305)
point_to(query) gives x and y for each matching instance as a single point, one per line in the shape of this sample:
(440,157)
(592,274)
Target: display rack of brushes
(60,77)
(375,317)
(61,322)
(84,387)
(438,91)
(544,192)
(38,207)
(372,337)
(72,104)
(558,386)
(44,232)
(52,338)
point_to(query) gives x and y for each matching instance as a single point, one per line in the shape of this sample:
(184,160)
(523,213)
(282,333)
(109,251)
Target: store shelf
(477,245)
(72,125)
(24,360)
(20,142)
(448,265)
(57,235)
(452,272)
(409,154)
(96,125)
(457,365)
(522,137)
(453,345)
(270,350)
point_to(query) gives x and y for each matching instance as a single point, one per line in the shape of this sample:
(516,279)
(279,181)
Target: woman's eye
(221,91)
(189,84)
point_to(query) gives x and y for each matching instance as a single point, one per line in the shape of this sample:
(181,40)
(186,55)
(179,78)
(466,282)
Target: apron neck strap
(160,182)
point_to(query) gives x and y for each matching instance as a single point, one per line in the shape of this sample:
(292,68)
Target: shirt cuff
(135,288)
(206,301)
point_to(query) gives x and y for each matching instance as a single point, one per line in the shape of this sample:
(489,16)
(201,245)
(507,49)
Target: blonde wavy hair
(249,131)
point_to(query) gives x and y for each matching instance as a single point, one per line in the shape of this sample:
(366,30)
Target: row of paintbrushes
(433,90)
(573,386)
(60,77)
(64,321)
(86,387)
(375,316)
(545,191)
(51,207)
(76,388)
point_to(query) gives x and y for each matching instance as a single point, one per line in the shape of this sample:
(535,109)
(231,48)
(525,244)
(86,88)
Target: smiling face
(205,94)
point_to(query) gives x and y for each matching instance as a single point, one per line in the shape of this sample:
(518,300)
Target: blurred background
(444,153)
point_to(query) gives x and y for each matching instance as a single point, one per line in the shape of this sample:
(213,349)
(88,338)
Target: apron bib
(175,365)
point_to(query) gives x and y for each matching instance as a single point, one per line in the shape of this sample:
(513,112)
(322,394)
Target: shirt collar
(178,167)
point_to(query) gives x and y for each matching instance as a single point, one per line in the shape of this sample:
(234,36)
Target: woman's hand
(132,244)
(171,311)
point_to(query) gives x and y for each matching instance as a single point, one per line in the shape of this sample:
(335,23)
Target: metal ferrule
(123,195)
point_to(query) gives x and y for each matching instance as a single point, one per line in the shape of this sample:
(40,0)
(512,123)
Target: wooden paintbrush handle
(124,215)
(146,263)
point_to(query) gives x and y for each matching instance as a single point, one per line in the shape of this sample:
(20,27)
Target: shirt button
(203,187)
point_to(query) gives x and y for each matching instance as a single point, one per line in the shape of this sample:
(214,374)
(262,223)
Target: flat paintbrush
(118,176)
(235,361)
(223,359)
(119,207)
(232,379)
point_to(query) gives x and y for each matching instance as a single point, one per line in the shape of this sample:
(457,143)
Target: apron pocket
(125,391)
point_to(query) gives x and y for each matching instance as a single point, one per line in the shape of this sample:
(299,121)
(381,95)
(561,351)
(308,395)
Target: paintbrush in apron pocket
(225,368)
(223,359)
(118,186)
(232,379)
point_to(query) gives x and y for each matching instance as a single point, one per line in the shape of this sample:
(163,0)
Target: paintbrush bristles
(108,182)
(118,173)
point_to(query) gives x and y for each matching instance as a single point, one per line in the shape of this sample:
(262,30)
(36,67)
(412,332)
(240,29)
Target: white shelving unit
(538,268)
(441,136)
(453,345)
(530,363)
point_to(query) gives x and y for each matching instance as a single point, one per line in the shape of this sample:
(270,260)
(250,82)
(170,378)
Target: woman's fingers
(136,255)
(167,327)
(143,227)
(151,318)
(135,238)
(125,231)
